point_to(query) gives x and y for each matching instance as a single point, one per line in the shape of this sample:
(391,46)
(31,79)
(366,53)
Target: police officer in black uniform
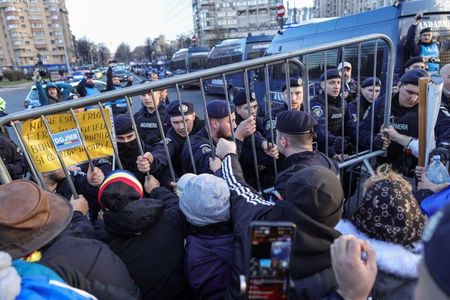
(156,162)
(337,110)
(220,128)
(404,124)
(370,91)
(265,151)
(295,133)
(296,104)
(146,118)
(12,158)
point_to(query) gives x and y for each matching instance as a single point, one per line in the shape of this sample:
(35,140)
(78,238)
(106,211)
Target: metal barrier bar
(207,124)
(343,105)
(61,160)
(358,97)
(306,100)
(227,99)
(288,83)
(110,135)
(373,103)
(188,140)
(269,109)
(326,100)
(252,137)
(83,143)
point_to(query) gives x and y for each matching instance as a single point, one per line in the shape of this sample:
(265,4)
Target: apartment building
(337,8)
(34,28)
(216,20)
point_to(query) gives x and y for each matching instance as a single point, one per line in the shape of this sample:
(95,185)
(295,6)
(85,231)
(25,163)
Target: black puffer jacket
(148,235)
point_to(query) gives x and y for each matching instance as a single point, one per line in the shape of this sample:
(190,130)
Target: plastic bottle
(437,173)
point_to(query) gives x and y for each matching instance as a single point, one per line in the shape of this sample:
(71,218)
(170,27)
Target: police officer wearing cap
(296,89)
(337,110)
(265,152)
(147,120)
(370,91)
(403,129)
(425,47)
(295,134)
(156,161)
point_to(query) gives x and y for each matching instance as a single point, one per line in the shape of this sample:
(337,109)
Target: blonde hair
(385,172)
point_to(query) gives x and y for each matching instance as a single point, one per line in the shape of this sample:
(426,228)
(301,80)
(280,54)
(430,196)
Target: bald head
(444,73)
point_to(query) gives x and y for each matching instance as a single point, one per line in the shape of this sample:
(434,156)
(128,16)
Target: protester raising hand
(354,265)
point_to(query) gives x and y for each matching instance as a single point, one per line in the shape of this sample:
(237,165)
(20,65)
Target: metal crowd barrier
(222,71)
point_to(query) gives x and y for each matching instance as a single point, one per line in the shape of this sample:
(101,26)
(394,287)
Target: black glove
(339,141)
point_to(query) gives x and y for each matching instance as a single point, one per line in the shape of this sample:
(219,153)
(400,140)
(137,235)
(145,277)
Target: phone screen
(271,248)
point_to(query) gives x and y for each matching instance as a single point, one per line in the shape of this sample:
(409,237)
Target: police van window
(197,60)
(367,57)
(256,50)
(223,55)
(316,60)
(279,71)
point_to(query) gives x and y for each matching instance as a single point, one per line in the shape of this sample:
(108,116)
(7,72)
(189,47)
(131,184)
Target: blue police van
(393,21)
(233,51)
(188,60)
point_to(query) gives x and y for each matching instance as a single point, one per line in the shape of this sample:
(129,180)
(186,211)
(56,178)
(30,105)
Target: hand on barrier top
(381,142)
(143,162)
(151,183)
(95,177)
(246,128)
(225,147)
(340,141)
(354,266)
(80,204)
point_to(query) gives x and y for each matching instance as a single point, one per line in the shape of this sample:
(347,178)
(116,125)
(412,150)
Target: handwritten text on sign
(92,127)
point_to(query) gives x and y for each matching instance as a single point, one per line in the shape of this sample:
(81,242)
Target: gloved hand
(348,146)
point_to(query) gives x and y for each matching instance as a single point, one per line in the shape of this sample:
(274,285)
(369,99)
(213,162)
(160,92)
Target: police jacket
(12,158)
(404,120)
(175,142)
(337,109)
(295,162)
(351,87)
(363,109)
(269,125)
(442,129)
(202,151)
(147,124)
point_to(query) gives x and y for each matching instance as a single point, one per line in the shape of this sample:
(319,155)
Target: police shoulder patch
(445,111)
(271,124)
(317,111)
(366,114)
(205,148)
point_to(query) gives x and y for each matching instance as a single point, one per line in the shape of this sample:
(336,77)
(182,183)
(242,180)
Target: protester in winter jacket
(34,229)
(119,106)
(12,158)
(53,93)
(314,202)
(205,201)
(146,233)
(390,219)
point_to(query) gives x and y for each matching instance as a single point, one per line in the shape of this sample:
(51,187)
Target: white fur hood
(391,258)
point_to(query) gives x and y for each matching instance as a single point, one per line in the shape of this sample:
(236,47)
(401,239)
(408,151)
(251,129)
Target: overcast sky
(131,21)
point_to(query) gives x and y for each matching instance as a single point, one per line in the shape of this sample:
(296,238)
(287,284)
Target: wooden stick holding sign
(423,83)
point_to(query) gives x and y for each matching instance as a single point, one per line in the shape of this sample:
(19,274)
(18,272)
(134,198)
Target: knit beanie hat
(389,212)
(118,189)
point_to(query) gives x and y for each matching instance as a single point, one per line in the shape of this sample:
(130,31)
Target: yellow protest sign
(93,129)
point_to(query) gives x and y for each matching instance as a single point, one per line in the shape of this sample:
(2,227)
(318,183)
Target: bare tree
(123,53)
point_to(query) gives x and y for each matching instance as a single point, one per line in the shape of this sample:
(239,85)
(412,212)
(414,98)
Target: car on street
(77,75)
(121,73)
(32,98)
(98,74)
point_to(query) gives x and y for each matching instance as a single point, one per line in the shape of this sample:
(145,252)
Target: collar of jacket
(391,258)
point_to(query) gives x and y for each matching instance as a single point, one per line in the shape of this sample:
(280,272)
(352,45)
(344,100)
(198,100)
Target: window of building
(17,42)
(38,33)
(10,8)
(56,25)
(12,17)
(35,17)
(54,17)
(11,26)
(40,42)
(36,25)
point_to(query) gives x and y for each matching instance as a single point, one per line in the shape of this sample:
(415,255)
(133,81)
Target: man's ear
(322,85)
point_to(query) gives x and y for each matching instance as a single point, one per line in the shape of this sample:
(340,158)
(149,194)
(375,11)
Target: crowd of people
(173,222)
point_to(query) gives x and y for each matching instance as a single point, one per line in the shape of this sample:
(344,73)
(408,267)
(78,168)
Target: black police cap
(218,109)
(412,61)
(412,76)
(295,122)
(370,82)
(294,82)
(241,99)
(331,73)
(426,29)
(122,124)
(174,109)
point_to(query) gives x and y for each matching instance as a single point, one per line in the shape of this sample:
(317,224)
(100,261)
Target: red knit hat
(119,188)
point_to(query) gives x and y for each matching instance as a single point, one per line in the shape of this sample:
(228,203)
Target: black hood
(136,217)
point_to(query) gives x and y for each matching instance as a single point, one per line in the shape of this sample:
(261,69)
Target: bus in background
(188,60)
(233,51)
(393,21)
